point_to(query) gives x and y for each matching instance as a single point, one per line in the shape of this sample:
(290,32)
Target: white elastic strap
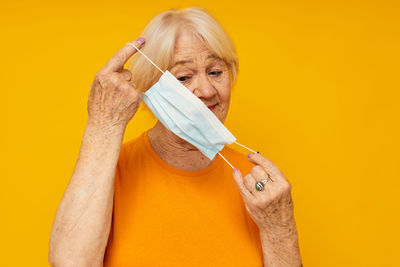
(226,160)
(239,145)
(145,57)
(245,147)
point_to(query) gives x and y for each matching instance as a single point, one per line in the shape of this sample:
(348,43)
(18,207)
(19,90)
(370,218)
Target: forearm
(82,223)
(280,247)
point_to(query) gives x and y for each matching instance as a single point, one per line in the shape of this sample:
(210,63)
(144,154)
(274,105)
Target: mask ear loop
(226,160)
(239,145)
(151,61)
(245,147)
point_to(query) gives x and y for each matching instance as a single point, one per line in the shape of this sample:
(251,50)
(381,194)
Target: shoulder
(131,148)
(130,145)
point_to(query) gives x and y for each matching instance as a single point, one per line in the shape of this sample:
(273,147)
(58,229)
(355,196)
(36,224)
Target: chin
(221,117)
(220,114)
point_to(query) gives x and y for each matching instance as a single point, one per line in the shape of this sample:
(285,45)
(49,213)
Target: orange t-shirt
(164,216)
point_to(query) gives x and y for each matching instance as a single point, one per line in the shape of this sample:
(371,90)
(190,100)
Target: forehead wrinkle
(193,53)
(191,49)
(189,59)
(214,59)
(183,62)
(213,56)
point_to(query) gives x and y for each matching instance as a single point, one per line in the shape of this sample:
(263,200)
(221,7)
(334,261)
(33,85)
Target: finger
(267,164)
(132,84)
(126,87)
(259,174)
(94,88)
(237,176)
(136,94)
(126,74)
(250,183)
(109,81)
(117,62)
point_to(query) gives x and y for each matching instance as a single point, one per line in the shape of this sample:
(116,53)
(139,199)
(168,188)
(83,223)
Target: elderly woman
(157,200)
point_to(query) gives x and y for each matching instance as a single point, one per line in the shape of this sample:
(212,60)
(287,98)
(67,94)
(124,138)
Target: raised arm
(82,224)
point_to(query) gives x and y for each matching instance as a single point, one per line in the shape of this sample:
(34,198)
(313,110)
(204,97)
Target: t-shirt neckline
(172,169)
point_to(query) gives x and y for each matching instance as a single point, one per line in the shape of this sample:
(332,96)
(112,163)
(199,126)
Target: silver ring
(260,184)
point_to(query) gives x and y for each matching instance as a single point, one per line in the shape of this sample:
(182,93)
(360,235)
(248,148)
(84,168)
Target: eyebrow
(213,56)
(181,62)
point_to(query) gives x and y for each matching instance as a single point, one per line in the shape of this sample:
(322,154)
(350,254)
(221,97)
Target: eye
(215,73)
(183,78)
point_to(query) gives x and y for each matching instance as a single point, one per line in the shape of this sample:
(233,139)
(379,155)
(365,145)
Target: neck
(175,151)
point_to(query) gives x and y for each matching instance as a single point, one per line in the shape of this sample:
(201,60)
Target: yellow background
(318,93)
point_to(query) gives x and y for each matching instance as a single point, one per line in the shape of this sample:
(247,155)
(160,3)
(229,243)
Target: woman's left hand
(271,208)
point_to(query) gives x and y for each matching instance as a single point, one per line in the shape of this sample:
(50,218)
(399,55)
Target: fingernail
(141,40)
(249,155)
(235,170)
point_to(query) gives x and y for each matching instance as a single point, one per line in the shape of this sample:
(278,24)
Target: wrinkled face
(203,73)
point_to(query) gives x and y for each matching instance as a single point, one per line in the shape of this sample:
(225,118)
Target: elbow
(62,260)
(66,254)
(68,262)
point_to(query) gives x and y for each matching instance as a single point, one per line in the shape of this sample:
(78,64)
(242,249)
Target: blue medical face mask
(184,114)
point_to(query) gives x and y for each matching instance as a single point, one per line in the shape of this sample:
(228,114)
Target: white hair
(161,34)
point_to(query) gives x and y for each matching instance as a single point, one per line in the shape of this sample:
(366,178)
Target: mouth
(212,107)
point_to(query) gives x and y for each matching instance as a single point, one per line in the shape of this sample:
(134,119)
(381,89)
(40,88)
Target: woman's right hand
(113,98)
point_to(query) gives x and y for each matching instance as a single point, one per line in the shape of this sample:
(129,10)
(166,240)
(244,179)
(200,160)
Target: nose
(204,88)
